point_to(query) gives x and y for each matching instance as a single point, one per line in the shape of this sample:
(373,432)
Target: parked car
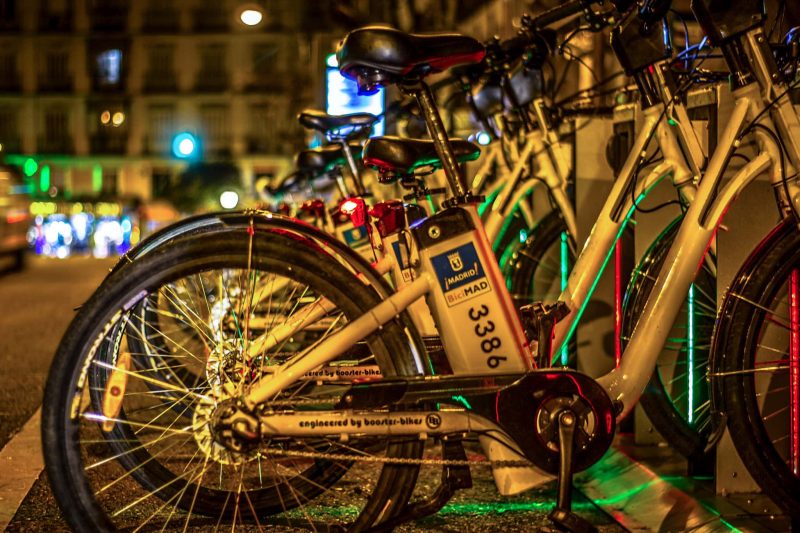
(15,218)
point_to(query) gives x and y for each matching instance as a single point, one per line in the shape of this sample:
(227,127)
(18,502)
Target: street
(38,304)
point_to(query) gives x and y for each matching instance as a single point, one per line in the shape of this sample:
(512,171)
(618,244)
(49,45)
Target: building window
(160,16)
(55,137)
(56,76)
(210,17)
(9,77)
(264,122)
(55,15)
(213,74)
(161,72)
(214,119)
(161,119)
(108,15)
(8,15)
(108,127)
(9,134)
(268,69)
(109,187)
(162,181)
(109,67)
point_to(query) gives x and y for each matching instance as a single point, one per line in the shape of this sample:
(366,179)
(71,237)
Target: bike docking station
(642,482)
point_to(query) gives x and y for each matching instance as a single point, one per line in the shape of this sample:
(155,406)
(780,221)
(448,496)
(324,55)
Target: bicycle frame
(462,282)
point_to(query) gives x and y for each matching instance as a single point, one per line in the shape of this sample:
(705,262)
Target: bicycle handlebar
(558,13)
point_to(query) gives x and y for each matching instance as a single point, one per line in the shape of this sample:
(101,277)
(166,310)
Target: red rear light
(355,209)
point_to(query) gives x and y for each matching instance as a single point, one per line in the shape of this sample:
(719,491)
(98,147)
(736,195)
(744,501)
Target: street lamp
(184,145)
(228,199)
(251,15)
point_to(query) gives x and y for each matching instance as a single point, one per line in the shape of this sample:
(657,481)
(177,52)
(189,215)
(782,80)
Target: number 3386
(483,327)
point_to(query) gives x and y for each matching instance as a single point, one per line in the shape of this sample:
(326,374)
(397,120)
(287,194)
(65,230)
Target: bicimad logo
(455,262)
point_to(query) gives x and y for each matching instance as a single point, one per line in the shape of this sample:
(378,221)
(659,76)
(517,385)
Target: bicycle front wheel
(757,365)
(155,461)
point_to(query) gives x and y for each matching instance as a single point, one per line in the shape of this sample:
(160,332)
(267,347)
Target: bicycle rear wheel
(159,464)
(757,365)
(676,399)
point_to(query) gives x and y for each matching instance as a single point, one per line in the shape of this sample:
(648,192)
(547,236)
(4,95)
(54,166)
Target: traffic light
(185,146)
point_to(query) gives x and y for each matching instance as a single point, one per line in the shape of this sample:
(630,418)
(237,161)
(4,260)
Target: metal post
(433,120)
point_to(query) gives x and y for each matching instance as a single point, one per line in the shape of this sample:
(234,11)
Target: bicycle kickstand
(454,477)
(562,516)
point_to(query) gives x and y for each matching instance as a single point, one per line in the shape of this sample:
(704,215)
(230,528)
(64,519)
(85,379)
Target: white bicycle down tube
(600,244)
(268,386)
(626,383)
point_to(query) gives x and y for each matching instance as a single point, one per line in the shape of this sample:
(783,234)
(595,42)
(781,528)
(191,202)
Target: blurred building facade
(94,91)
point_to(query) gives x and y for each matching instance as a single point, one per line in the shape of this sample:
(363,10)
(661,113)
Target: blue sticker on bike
(356,237)
(460,274)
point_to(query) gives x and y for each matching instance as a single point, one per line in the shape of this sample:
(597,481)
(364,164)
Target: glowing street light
(184,145)
(228,199)
(251,16)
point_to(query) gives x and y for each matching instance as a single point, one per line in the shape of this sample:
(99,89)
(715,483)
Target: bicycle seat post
(420,90)
(351,163)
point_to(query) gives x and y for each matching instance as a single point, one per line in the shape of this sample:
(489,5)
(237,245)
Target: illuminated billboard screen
(343,98)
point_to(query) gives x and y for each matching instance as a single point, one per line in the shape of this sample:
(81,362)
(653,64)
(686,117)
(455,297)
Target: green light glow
(97,178)
(564,277)
(690,351)
(610,253)
(44,179)
(463,401)
(29,167)
(431,204)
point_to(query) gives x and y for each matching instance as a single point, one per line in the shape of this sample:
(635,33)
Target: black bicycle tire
(655,400)
(73,492)
(520,270)
(758,280)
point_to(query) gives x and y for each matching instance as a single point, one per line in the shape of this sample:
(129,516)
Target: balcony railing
(111,18)
(10,25)
(55,145)
(108,144)
(157,145)
(9,84)
(49,84)
(217,147)
(210,19)
(258,144)
(212,81)
(165,20)
(55,22)
(269,82)
(160,82)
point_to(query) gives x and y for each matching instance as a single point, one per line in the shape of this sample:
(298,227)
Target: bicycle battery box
(638,45)
(479,327)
